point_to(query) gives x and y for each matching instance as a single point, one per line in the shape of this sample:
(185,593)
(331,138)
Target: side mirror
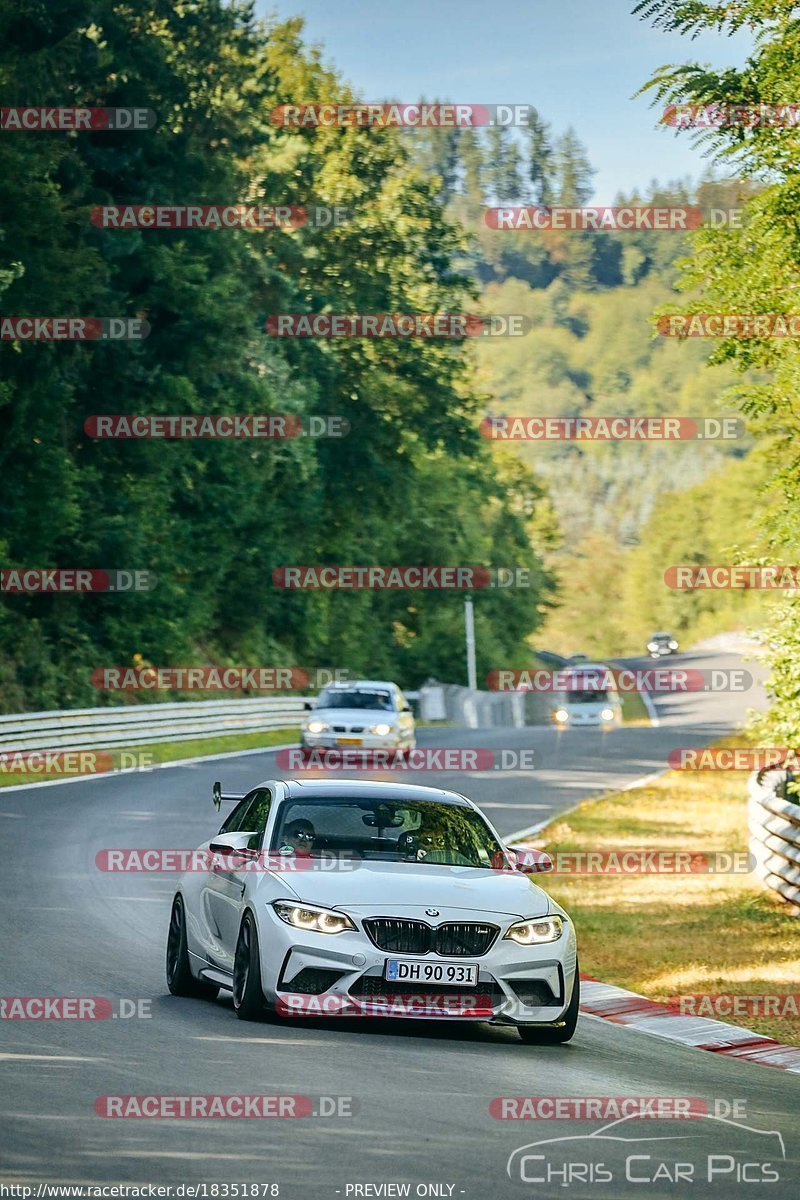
(532,862)
(233,844)
(308,706)
(406,708)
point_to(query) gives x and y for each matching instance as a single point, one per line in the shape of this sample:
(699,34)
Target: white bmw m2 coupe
(356,898)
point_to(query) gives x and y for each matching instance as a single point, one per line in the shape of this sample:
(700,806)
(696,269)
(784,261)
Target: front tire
(550,1035)
(248,998)
(180,980)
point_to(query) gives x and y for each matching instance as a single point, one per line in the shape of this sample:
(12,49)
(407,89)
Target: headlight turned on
(383,730)
(561,715)
(311,918)
(537,931)
(607,714)
(317,727)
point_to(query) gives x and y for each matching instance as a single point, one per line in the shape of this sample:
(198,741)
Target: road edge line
(117,771)
(607,1002)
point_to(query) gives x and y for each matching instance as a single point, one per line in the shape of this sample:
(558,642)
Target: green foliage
(755,269)
(412,483)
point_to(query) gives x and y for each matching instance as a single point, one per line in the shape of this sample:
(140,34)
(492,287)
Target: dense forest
(594,524)
(413,482)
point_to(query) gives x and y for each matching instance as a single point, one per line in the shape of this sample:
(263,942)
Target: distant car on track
(370,713)
(661,644)
(346,896)
(589,699)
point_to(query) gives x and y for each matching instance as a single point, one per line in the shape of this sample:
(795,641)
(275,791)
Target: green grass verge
(160,752)
(633,709)
(677,935)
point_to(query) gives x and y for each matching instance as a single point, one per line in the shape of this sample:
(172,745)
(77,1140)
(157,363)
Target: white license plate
(421,970)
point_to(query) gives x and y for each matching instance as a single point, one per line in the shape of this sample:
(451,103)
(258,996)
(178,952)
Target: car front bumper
(587,721)
(517,985)
(355,741)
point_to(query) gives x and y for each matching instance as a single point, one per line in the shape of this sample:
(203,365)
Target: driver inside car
(298,838)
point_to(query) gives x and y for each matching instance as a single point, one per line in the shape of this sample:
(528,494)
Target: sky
(578,62)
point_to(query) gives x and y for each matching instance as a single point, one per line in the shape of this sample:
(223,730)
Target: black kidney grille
(455,939)
(464,937)
(399,936)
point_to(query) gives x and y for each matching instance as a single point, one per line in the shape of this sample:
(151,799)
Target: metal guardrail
(773,819)
(141,724)
(483,710)
(101,728)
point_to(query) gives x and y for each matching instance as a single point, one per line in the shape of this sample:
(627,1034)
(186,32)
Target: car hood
(352,716)
(384,888)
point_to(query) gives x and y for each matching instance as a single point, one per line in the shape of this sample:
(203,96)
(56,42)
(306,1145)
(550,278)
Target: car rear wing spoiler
(217,795)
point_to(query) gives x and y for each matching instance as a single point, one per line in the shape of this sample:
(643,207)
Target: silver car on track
(356,898)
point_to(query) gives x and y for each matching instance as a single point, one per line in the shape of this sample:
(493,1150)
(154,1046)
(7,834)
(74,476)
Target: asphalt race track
(420,1090)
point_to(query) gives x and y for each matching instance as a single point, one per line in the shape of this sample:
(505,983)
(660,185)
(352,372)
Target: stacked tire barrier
(774,823)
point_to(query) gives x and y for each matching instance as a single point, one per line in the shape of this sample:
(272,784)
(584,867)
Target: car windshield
(354,698)
(424,832)
(587,697)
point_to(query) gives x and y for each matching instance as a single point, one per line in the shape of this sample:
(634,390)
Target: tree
(754,269)
(540,160)
(212,519)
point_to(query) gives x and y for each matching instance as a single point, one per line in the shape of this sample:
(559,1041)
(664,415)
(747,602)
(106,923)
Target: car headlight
(309,917)
(607,714)
(673,645)
(383,730)
(534,932)
(317,727)
(561,714)
(652,645)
